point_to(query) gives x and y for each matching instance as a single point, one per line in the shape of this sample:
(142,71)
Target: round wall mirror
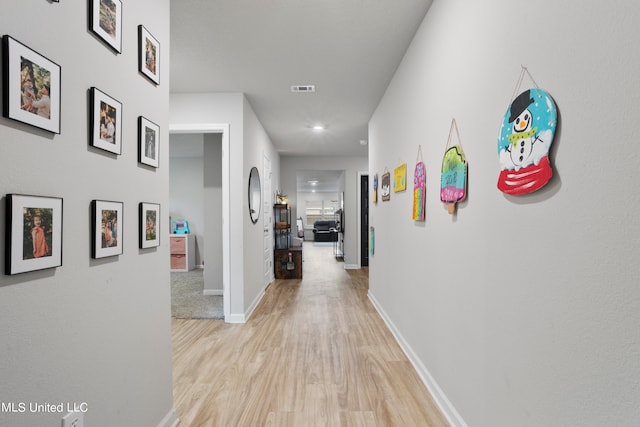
(255,199)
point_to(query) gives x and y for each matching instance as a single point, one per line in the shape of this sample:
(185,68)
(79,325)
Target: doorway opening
(320,207)
(221,130)
(364,220)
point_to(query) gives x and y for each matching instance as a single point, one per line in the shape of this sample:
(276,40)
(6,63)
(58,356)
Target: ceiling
(348,49)
(319,181)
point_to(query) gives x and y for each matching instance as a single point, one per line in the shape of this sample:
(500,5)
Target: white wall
(186,193)
(94,331)
(257,145)
(525,311)
(213,213)
(222,108)
(351,166)
(248,142)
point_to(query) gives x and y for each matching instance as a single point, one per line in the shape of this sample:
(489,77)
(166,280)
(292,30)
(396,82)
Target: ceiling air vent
(303,88)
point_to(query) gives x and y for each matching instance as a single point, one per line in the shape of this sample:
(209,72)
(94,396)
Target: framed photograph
(148,142)
(106,226)
(148,55)
(34,233)
(31,86)
(106,22)
(149,225)
(106,122)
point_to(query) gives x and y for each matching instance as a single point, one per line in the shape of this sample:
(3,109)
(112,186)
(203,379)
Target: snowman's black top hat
(520,104)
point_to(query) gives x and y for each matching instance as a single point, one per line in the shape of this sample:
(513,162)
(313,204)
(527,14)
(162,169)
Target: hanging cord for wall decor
(453,125)
(419,156)
(523,70)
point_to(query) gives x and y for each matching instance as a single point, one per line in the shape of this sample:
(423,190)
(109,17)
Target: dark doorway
(364,220)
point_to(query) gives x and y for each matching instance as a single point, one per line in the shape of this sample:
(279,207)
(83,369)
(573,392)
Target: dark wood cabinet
(288,263)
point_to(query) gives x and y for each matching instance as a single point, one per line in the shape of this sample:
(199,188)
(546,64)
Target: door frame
(222,128)
(267,205)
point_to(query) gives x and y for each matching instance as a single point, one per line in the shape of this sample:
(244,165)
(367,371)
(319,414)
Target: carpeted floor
(187,301)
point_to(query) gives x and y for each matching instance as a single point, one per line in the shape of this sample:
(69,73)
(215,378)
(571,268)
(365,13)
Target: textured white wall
(222,108)
(212,201)
(94,331)
(524,310)
(248,142)
(257,145)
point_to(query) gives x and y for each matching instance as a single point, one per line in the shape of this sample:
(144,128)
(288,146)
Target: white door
(267,208)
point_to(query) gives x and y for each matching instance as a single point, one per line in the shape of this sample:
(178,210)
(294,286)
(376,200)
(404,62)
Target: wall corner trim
(170,420)
(447,408)
(235,318)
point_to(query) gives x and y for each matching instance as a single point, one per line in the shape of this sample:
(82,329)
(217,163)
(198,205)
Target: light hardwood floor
(314,353)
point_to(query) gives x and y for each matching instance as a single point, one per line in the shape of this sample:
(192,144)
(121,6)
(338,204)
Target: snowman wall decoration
(526,135)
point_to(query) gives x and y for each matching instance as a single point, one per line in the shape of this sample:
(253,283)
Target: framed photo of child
(149,225)
(106,224)
(34,233)
(106,122)
(31,86)
(148,55)
(106,22)
(148,142)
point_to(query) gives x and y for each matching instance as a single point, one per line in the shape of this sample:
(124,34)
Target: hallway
(314,352)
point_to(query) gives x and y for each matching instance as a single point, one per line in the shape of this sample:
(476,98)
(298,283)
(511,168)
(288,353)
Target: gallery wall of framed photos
(32,95)
(83,130)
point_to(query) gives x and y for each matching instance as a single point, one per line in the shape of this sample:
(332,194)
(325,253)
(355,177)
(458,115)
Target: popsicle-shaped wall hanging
(419,187)
(453,183)
(527,131)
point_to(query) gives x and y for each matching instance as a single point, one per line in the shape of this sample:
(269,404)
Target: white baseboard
(213,292)
(170,420)
(254,304)
(242,318)
(235,318)
(351,267)
(447,408)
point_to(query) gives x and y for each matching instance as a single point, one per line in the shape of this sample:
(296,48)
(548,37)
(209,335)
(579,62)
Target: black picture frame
(105,20)
(106,122)
(148,142)
(149,220)
(30,86)
(33,234)
(148,55)
(107,224)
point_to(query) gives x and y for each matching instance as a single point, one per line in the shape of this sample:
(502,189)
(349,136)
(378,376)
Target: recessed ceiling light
(314,182)
(318,127)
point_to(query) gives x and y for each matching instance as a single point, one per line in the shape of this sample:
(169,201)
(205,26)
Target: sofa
(325,231)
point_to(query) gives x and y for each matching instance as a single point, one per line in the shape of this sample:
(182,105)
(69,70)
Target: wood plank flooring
(314,353)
